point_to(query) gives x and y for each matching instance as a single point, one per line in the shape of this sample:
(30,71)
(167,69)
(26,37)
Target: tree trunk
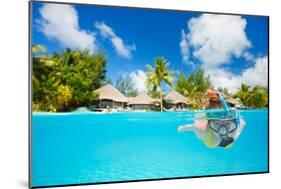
(161,100)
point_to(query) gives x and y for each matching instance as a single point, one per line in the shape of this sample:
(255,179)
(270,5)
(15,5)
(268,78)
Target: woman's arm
(187,127)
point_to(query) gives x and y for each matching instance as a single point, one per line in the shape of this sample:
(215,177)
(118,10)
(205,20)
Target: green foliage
(37,48)
(194,87)
(224,91)
(66,80)
(125,86)
(158,75)
(257,97)
(154,94)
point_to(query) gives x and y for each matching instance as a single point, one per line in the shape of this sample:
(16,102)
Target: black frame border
(141,180)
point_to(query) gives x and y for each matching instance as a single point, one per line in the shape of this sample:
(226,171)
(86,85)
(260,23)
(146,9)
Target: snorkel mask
(224,127)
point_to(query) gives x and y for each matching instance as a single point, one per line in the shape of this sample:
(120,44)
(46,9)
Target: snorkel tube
(213,94)
(223,102)
(226,107)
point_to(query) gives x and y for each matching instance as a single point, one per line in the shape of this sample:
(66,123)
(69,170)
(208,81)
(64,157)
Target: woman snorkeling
(216,132)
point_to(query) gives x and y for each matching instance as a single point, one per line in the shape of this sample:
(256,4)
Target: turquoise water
(76,148)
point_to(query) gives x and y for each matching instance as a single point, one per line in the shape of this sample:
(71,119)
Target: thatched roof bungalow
(176,100)
(110,97)
(142,102)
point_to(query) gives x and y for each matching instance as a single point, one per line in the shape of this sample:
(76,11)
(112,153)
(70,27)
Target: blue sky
(231,49)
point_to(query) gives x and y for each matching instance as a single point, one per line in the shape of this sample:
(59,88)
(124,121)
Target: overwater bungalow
(109,98)
(143,102)
(175,100)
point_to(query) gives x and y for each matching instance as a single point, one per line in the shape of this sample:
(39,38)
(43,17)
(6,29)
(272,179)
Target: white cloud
(60,22)
(184,47)
(120,47)
(249,57)
(216,38)
(256,75)
(223,78)
(138,78)
(105,30)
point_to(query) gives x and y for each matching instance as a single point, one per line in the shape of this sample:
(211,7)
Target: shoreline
(133,112)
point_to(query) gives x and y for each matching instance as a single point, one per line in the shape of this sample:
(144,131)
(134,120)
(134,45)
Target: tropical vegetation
(157,76)
(125,86)
(66,80)
(194,87)
(254,97)
(224,90)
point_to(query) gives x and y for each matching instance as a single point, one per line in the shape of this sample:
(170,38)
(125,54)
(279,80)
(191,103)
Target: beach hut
(142,102)
(175,100)
(110,98)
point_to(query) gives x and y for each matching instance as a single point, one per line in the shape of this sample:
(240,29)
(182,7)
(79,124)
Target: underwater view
(86,147)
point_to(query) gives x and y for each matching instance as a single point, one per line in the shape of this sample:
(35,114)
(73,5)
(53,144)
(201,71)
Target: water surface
(76,148)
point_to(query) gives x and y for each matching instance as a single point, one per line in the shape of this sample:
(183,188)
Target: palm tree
(194,87)
(258,97)
(244,87)
(158,75)
(224,91)
(243,93)
(37,48)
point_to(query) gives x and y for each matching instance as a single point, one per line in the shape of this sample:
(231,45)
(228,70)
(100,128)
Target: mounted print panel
(123,94)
